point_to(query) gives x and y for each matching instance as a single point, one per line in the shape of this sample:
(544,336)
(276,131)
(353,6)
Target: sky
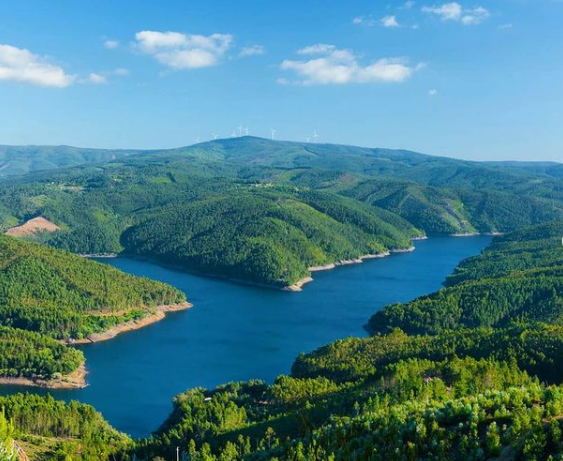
(474,79)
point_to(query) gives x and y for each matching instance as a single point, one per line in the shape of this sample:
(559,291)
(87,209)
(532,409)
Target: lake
(238,332)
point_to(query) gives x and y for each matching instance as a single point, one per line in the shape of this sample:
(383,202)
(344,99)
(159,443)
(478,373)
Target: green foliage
(18,160)
(7,452)
(537,350)
(55,430)
(244,229)
(448,211)
(55,293)
(461,394)
(267,235)
(472,375)
(31,355)
(518,279)
(253,209)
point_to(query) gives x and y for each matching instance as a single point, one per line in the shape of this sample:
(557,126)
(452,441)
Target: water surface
(236,332)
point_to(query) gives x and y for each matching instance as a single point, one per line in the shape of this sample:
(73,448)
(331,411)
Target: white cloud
(254,50)
(364,21)
(455,12)
(111,44)
(474,16)
(102,78)
(389,21)
(20,65)
(408,5)
(97,79)
(183,51)
(506,26)
(319,48)
(331,65)
(448,11)
(432,92)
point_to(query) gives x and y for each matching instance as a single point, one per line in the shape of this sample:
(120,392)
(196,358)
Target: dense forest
(517,280)
(48,429)
(18,160)
(266,211)
(55,293)
(471,372)
(472,392)
(459,392)
(48,295)
(27,354)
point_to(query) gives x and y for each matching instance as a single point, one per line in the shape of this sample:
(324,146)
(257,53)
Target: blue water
(236,332)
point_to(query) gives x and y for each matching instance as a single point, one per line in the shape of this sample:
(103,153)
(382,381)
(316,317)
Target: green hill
(266,210)
(518,279)
(267,235)
(49,295)
(258,231)
(65,296)
(464,393)
(18,160)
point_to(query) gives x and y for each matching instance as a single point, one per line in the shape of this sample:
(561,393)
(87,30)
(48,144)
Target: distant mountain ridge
(17,160)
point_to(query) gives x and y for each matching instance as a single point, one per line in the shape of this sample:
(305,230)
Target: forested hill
(476,391)
(56,293)
(48,295)
(372,162)
(261,232)
(519,279)
(266,211)
(18,160)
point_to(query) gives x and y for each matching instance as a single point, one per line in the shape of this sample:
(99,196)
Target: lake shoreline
(132,325)
(74,380)
(298,286)
(294,287)
(475,234)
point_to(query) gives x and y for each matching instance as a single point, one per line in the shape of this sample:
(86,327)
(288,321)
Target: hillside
(19,160)
(438,210)
(256,231)
(469,390)
(46,429)
(518,279)
(468,393)
(49,295)
(264,211)
(367,162)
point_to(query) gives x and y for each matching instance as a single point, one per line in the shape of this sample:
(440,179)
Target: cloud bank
(455,12)
(183,51)
(20,65)
(330,65)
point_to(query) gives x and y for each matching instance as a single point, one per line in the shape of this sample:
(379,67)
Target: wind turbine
(246,131)
(240,130)
(315,136)
(273,133)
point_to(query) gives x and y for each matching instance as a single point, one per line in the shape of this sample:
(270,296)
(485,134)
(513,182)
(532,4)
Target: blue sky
(477,79)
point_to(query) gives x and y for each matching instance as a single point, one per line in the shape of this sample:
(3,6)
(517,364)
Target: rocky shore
(159,313)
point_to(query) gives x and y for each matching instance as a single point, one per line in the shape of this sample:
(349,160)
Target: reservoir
(239,332)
